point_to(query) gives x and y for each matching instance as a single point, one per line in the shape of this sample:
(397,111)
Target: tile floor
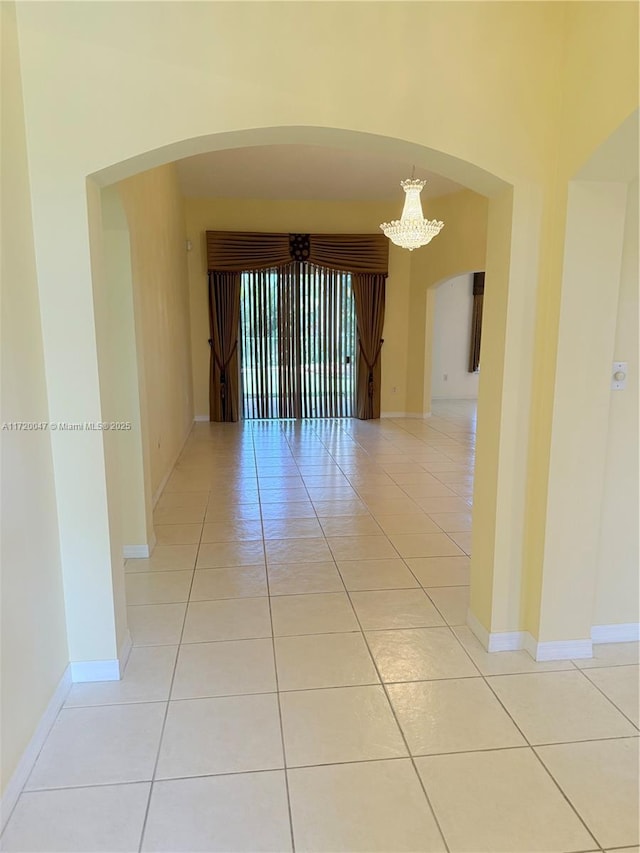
(302,676)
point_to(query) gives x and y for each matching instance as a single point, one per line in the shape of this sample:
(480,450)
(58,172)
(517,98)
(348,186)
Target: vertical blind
(298,340)
(311,359)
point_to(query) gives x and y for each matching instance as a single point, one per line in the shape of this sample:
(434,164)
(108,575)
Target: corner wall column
(91,566)
(562,599)
(503,413)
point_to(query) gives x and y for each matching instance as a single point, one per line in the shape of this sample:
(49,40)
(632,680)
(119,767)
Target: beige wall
(409,274)
(161,81)
(123,382)
(599,82)
(451,379)
(155,213)
(591,275)
(33,632)
(617,595)
(460,247)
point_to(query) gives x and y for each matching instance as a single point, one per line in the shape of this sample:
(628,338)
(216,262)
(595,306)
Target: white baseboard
(560,649)
(136,552)
(501,641)
(102,670)
(512,641)
(625,632)
(95,670)
(28,759)
(201,418)
(105,670)
(139,552)
(508,641)
(478,629)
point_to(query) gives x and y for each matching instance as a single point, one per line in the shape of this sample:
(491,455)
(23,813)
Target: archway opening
(449,166)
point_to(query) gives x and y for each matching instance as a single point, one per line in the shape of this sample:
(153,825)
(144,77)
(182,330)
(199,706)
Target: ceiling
(301,172)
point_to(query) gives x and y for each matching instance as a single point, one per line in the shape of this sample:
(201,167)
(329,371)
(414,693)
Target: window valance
(237,251)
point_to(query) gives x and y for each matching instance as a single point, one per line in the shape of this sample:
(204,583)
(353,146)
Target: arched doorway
(343,137)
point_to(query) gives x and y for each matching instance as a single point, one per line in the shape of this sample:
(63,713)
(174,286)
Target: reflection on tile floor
(302,676)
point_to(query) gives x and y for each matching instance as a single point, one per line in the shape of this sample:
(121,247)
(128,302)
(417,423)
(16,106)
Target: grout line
(401,731)
(606,696)
(309,766)
(330,439)
(166,712)
(26,782)
(275,671)
(331,687)
(566,797)
(530,745)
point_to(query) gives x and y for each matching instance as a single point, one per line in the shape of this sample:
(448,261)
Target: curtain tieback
(371,364)
(222,367)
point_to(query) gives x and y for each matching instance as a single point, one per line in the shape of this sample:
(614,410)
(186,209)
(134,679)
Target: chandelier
(412,230)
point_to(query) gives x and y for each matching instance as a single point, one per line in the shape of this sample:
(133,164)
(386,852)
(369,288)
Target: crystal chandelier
(412,230)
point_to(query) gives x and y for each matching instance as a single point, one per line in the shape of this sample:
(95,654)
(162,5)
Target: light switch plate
(617,384)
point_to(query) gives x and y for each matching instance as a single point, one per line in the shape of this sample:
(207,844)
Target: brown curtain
(365,256)
(366,253)
(240,251)
(368,295)
(476,321)
(224,320)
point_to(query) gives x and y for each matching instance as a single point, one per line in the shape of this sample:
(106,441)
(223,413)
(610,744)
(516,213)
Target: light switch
(619,375)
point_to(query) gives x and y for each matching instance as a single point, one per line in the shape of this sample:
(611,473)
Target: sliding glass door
(298,340)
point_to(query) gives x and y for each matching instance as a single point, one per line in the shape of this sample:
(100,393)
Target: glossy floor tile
(323,613)
(453,715)
(410,545)
(375,807)
(243,812)
(419,654)
(601,780)
(230,734)
(452,602)
(376,574)
(302,676)
(221,555)
(237,582)
(394,608)
(297,578)
(100,746)
(323,660)
(620,684)
(339,724)
(156,624)
(224,669)
(178,534)
(158,587)
(554,707)
(231,619)
(78,820)
(485,802)
(440,571)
